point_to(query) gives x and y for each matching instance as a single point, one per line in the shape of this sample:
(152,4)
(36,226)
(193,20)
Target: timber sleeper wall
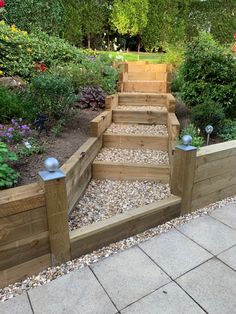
(205,176)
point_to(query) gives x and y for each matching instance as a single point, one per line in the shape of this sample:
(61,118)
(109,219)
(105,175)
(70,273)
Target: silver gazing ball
(51,164)
(186,140)
(209,129)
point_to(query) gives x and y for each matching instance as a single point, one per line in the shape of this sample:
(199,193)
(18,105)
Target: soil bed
(137,129)
(106,198)
(147,156)
(62,147)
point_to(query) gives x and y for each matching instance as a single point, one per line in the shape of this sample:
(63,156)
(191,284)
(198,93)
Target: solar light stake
(209,129)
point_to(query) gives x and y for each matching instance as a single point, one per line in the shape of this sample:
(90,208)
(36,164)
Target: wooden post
(57,208)
(183,173)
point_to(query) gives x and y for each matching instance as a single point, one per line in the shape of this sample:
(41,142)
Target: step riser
(142,99)
(144,117)
(149,76)
(148,67)
(135,141)
(130,172)
(146,87)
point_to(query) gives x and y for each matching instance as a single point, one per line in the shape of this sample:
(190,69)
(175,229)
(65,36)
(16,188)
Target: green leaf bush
(8,176)
(20,51)
(10,104)
(208,81)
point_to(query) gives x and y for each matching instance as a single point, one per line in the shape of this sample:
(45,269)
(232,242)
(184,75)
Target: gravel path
(141,108)
(139,129)
(55,272)
(106,198)
(147,156)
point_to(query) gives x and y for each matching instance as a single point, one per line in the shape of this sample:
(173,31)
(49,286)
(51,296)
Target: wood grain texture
(111,102)
(136,99)
(23,250)
(57,211)
(20,199)
(100,123)
(145,86)
(130,171)
(23,225)
(182,178)
(121,226)
(135,141)
(24,270)
(141,116)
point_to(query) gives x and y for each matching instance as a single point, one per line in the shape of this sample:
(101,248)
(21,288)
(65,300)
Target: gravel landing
(146,156)
(106,198)
(55,272)
(141,108)
(139,129)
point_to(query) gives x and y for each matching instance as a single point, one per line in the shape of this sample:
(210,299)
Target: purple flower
(24,127)
(10,129)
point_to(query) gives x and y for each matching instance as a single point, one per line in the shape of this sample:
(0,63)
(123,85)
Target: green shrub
(92,71)
(20,51)
(191,130)
(33,148)
(8,176)
(50,95)
(208,113)
(228,131)
(208,73)
(10,104)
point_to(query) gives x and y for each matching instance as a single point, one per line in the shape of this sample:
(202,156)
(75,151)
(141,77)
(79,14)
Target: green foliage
(228,131)
(50,95)
(129,16)
(208,113)
(20,51)
(191,130)
(34,148)
(91,72)
(10,104)
(34,15)
(208,75)
(8,176)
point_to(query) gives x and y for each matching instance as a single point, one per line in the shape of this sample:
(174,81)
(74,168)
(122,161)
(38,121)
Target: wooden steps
(142,116)
(144,86)
(130,171)
(135,141)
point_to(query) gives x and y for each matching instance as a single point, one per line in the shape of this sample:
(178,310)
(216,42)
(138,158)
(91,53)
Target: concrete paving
(190,269)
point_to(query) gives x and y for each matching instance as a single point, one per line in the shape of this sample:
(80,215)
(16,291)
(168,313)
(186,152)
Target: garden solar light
(186,140)
(209,129)
(51,164)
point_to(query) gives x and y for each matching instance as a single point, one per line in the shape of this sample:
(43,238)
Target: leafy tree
(130,17)
(34,15)
(93,17)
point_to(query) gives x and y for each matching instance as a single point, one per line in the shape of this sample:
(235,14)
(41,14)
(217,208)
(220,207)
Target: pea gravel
(139,129)
(52,273)
(147,156)
(106,198)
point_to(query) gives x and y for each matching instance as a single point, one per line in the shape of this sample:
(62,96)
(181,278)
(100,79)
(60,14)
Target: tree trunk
(89,41)
(139,43)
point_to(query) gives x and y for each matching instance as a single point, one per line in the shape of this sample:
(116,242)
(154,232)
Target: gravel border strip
(55,272)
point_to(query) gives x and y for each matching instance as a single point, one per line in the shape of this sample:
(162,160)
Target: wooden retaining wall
(204,176)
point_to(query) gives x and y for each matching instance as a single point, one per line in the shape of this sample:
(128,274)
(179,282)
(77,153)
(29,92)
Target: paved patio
(190,269)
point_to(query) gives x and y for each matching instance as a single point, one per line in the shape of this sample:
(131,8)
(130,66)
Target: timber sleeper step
(130,171)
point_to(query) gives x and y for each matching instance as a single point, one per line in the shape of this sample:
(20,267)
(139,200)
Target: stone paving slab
(226,214)
(17,305)
(229,257)
(213,286)
(210,234)
(170,299)
(175,253)
(76,293)
(129,276)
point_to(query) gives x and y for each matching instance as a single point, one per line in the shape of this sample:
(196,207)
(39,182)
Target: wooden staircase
(131,110)
(145,77)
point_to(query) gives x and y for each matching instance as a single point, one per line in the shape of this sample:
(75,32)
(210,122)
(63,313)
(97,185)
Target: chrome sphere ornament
(209,129)
(187,140)
(51,164)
